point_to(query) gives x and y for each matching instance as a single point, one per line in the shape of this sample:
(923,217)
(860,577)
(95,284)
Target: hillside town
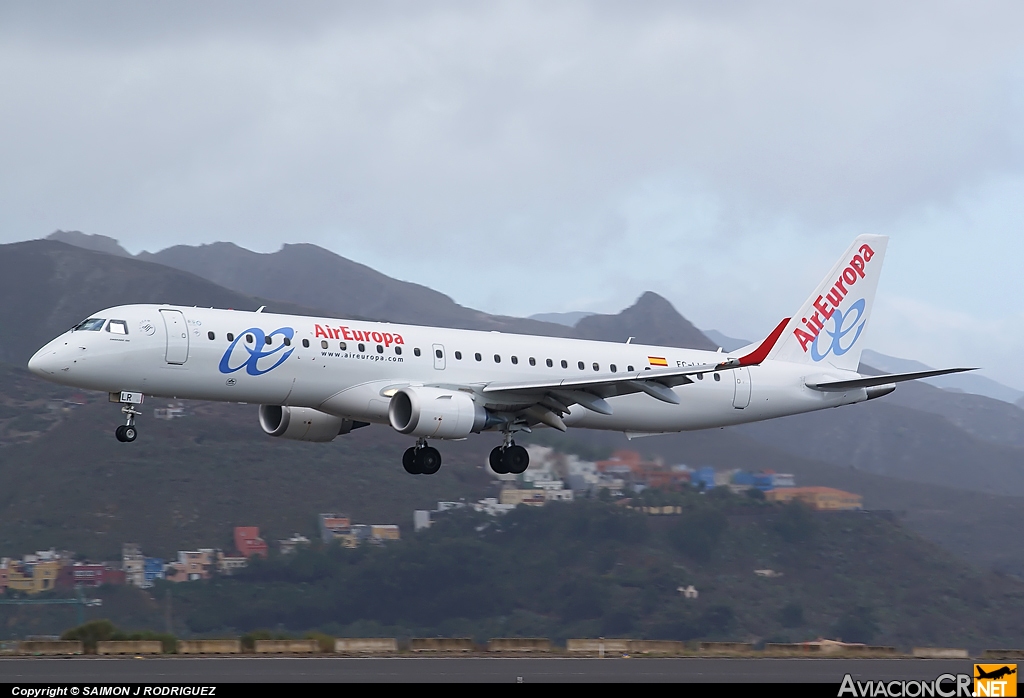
(46,570)
(552,477)
(559,477)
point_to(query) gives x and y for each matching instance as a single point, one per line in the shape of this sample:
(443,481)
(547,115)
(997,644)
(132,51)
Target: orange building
(820,498)
(248,541)
(33,577)
(649,473)
(191,565)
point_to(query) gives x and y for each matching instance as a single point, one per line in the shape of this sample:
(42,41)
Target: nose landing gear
(509,458)
(421,459)
(126,433)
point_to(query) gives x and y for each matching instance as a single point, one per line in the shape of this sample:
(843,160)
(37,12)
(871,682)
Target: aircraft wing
(870,381)
(549,399)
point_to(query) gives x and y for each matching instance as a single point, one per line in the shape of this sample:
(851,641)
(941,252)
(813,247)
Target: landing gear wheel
(119,433)
(429,459)
(516,460)
(410,462)
(129,433)
(497,461)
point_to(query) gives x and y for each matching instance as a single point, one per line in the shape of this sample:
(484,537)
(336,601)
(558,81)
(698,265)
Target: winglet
(761,353)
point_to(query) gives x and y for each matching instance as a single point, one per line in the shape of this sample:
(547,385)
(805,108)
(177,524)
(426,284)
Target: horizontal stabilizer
(871,381)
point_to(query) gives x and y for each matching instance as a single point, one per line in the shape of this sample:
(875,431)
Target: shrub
(323,640)
(90,633)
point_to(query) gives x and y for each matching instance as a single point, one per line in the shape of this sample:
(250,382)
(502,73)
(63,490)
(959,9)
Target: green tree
(90,633)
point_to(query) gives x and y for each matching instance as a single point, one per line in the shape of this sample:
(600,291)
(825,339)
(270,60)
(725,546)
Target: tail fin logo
(842,326)
(826,307)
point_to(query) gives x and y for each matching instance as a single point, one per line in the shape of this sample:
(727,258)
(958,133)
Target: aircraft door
(741,392)
(177,336)
(439,357)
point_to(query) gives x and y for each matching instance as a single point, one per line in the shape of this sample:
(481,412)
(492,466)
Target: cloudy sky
(552,156)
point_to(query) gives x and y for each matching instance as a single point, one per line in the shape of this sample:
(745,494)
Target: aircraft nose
(43,362)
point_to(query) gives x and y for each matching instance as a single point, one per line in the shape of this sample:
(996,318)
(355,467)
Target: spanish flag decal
(657,361)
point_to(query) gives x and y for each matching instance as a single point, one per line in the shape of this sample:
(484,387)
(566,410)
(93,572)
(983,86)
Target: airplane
(995,673)
(317,378)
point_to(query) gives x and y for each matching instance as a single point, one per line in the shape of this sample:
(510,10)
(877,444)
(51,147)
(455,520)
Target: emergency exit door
(177,336)
(741,392)
(439,357)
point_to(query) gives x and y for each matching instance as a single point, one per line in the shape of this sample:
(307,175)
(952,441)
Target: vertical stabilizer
(827,328)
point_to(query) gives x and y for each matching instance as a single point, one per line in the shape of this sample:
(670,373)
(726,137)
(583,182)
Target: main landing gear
(126,433)
(421,459)
(509,458)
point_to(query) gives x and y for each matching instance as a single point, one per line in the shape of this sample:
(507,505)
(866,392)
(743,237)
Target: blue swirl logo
(842,325)
(259,350)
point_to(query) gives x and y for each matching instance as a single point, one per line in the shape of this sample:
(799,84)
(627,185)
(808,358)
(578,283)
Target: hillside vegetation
(594,568)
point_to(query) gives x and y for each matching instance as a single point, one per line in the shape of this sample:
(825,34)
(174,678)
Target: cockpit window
(93,324)
(117,327)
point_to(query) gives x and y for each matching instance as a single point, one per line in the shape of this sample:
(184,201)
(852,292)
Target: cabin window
(438,353)
(361,347)
(700,376)
(268,340)
(305,343)
(287,341)
(343,346)
(118,327)
(398,350)
(458,356)
(533,361)
(580,364)
(323,343)
(614,368)
(550,363)
(380,348)
(478,357)
(497,359)
(630,369)
(596,366)
(565,364)
(93,324)
(210,335)
(718,377)
(416,351)
(515,360)
(249,339)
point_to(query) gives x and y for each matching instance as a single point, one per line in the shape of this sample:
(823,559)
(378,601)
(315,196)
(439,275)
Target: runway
(222,670)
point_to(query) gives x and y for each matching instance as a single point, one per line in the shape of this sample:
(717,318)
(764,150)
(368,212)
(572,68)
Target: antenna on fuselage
(260,309)
(630,340)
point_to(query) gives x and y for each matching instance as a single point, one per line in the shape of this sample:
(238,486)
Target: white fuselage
(351,368)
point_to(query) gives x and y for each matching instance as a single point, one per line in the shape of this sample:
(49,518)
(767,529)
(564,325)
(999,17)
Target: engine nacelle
(303,423)
(437,413)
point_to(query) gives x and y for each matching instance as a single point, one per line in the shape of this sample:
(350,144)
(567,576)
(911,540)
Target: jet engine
(437,413)
(303,423)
